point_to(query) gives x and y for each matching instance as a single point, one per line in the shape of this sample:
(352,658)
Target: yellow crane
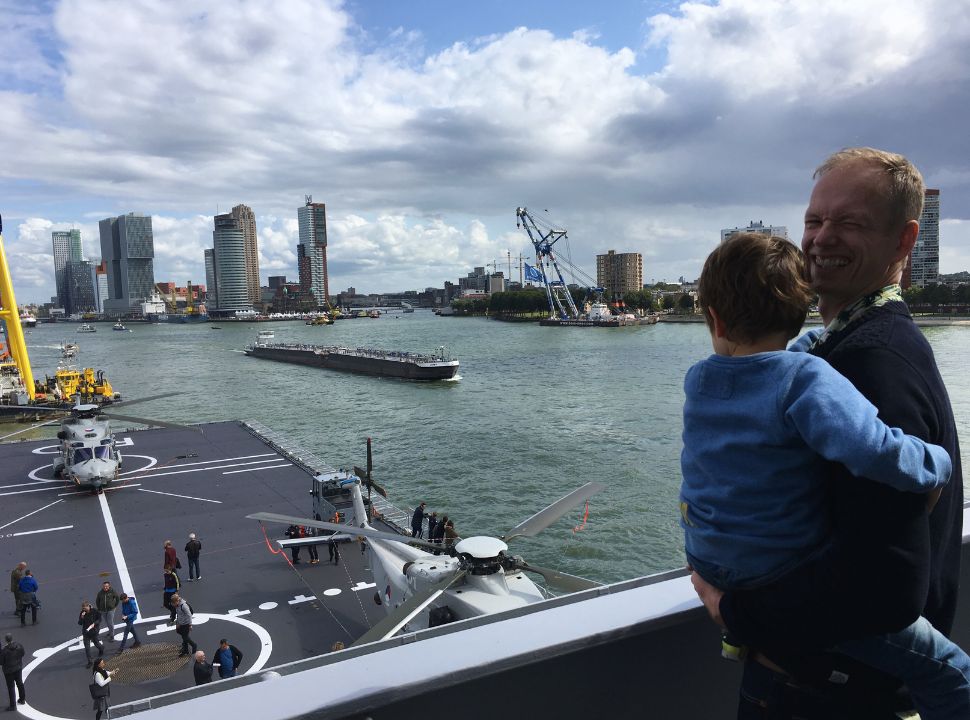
(10,315)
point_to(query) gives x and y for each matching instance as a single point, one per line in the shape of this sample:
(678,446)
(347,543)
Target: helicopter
(476,576)
(88,456)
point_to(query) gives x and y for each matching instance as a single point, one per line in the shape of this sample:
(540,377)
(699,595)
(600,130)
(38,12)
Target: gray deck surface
(204,483)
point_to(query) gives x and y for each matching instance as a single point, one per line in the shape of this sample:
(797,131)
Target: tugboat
(384,363)
(85,328)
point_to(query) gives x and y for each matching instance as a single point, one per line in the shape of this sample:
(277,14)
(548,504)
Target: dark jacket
(12,656)
(228,660)
(202,672)
(890,560)
(170,582)
(171,558)
(193,548)
(86,619)
(106,600)
(418,517)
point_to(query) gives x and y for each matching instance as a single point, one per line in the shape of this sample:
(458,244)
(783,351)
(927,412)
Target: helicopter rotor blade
(134,401)
(150,421)
(361,473)
(559,580)
(407,610)
(32,427)
(548,515)
(348,529)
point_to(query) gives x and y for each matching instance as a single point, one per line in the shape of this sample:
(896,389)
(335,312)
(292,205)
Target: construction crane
(10,315)
(547,268)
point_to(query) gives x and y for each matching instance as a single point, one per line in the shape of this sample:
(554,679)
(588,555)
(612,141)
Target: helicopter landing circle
(42,654)
(152,462)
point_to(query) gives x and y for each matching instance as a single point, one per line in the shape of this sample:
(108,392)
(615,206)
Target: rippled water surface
(535,412)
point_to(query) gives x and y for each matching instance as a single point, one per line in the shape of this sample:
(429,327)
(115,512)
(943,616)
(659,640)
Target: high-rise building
(247,223)
(212,294)
(101,284)
(79,284)
(67,248)
(312,251)
(276,281)
(619,273)
(924,260)
(229,266)
(128,248)
(756,227)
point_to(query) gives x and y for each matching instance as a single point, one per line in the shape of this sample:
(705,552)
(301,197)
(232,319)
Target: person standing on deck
(90,622)
(12,659)
(106,603)
(15,576)
(171,559)
(417,521)
(183,624)
(192,549)
(28,598)
(129,613)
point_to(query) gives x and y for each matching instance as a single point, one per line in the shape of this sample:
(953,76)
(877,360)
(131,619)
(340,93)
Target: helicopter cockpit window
(82,454)
(103,452)
(90,435)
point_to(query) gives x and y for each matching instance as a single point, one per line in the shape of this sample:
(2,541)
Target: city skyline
(644,127)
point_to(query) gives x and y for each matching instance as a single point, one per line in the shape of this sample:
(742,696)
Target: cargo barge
(383,363)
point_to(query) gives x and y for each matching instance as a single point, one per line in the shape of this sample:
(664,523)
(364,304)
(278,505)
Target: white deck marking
(269,467)
(237,613)
(160,628)
(301,599)
(187,497)
(332,592)
(363,586)
(32,532)
(202,469)
(268,605)
(22,492)
(33,484)
(109,523)
(106,490)
(29,514)
(204,462)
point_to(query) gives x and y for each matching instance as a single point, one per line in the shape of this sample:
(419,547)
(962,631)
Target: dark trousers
(314,556)
(194,571)
(184,631)
(23,614)
(295,553)
(334,549)
(129,630)
(15,677)
(92,640)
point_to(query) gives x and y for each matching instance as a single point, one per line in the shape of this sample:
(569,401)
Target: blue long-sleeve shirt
(758,430)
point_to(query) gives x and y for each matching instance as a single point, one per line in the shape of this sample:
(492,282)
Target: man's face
(106,586)
(850,247)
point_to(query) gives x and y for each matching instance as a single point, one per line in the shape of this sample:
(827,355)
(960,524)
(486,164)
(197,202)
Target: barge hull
(363,365)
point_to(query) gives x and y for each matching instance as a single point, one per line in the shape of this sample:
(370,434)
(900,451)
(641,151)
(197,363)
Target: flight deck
(172,482)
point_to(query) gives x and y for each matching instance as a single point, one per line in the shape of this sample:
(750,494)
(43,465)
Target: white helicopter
(476,577)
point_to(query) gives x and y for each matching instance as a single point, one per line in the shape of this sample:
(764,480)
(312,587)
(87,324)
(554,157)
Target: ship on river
(366,361)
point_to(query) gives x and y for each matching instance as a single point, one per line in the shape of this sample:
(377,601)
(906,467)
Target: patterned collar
(890,293)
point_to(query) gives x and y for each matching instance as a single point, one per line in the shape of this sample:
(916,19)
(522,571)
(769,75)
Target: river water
(534,413)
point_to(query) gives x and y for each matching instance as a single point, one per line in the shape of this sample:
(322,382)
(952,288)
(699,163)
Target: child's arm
(803,343)
(838,423)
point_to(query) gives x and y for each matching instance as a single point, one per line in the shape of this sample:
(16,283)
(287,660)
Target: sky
(638,126)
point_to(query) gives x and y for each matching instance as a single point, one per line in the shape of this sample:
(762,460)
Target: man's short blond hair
(904,188)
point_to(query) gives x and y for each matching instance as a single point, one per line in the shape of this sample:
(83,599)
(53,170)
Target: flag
(532,274)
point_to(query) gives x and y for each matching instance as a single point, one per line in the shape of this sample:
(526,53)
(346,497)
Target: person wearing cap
(192,549)
(12,657)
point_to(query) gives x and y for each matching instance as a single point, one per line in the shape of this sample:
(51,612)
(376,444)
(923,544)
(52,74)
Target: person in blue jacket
(129,613)
(28,598)
(760,424)
(227,658)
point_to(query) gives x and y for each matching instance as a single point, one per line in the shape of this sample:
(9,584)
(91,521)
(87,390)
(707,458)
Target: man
(293,532)
(129,613)
(891,560)
(183,624)
(201,669)
(12,658)
(106,602)
(90,622)
(417,521)
(192,549)
(432,523)
(16,575)
(227,658)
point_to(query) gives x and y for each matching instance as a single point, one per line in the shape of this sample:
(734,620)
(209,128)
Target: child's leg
(936,670)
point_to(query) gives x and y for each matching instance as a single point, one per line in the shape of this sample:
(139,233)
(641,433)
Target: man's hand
(709,595)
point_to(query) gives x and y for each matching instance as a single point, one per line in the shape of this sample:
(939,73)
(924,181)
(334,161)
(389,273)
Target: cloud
(422,158)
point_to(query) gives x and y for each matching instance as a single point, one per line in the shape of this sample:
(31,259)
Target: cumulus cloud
(422,158)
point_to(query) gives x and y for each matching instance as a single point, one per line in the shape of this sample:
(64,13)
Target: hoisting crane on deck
(10,315)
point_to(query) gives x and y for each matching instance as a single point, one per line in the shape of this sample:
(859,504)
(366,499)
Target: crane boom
(560,300)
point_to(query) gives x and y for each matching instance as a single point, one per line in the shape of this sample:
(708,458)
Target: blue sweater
(758,432)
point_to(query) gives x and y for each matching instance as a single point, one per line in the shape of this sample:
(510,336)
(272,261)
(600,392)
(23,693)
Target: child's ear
(719,329)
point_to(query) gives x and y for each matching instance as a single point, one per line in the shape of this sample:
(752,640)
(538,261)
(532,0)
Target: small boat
(264,335)
(28,321)
(215,327)
(374,314)
(69,350)
(119,326)
(85,328)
